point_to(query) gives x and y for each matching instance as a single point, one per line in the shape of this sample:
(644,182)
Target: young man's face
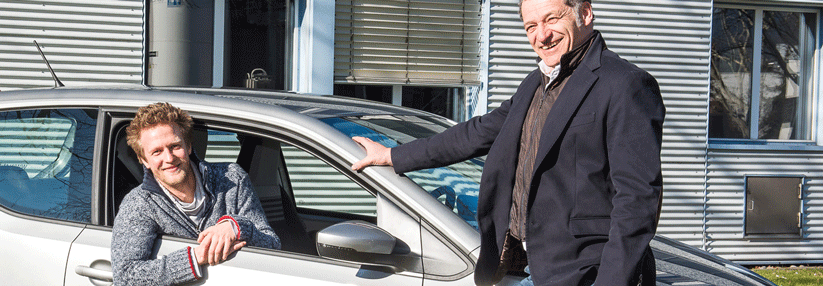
(553,28)
(166,154)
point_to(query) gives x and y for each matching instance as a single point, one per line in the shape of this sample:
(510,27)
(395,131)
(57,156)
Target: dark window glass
(46,162)
(257,39)
(781,76)
(444,101)
(731,84)
(381,93)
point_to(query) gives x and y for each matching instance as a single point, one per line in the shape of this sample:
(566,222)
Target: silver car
(65,166)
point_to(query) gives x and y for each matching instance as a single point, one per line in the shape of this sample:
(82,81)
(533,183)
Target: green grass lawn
(792,276)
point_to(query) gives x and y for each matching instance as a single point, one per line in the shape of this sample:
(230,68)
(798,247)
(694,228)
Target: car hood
(678,262)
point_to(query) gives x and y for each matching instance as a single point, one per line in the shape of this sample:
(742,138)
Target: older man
(180,196)
(573,169)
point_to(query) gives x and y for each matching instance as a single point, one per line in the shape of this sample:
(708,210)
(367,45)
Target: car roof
(313,105)
(318,106)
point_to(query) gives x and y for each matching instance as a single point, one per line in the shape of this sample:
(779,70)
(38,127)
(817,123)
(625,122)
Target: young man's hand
(216,244)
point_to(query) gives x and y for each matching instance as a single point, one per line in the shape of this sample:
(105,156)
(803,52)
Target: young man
(181,196)
(573,171)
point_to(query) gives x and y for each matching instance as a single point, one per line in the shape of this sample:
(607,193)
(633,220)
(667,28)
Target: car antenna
(57,82)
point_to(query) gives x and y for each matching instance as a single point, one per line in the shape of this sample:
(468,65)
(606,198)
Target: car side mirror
(362,242)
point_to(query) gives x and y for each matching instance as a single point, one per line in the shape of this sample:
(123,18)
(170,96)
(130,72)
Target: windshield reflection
(456,186)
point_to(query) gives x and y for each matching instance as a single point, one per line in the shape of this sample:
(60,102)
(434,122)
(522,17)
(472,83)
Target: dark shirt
(544,98)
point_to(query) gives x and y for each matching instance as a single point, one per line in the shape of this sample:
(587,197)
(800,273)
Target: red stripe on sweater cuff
(237,225)
(191,263)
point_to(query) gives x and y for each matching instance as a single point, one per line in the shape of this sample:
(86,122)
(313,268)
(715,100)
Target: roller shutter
(430,42)
(86,42)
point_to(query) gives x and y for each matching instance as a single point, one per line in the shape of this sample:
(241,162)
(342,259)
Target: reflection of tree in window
(732,48)
(784,51)
(780,79)
(53,150)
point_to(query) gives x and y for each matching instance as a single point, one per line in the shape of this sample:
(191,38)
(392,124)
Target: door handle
(104,276)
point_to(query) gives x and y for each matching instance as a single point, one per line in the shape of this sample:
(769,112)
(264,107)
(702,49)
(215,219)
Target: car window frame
(98,150)
(294,143)
(116,116)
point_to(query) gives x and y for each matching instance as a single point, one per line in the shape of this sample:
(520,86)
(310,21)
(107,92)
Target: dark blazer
(594,199)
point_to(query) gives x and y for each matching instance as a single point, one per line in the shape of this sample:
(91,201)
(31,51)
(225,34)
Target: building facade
(743,142)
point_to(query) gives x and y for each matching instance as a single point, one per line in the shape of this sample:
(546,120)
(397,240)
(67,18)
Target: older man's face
(553,27)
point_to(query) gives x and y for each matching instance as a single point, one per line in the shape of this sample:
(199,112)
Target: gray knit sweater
(146,212)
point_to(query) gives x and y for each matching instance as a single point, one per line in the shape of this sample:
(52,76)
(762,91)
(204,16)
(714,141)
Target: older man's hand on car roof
(376,154)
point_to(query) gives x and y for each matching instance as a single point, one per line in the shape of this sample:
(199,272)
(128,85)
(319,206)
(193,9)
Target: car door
(45,190)
(261,154)
(302,194)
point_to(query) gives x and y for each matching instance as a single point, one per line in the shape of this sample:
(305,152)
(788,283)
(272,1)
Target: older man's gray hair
(576,4)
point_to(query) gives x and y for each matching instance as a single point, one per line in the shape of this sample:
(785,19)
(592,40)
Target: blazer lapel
(520,108)
(564,108)
(502,160)
(574,92)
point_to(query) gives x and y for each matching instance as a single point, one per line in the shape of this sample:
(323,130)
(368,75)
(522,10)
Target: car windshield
(456,186)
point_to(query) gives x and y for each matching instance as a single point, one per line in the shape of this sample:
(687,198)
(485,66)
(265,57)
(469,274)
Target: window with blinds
(433,42)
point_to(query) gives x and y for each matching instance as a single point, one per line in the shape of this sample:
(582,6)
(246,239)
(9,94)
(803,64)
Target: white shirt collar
(552,73)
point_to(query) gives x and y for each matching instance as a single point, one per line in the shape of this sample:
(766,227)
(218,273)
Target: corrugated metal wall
(86,42)
(670,39)
(726,207)
(727,167)
(510,56)
(94,42)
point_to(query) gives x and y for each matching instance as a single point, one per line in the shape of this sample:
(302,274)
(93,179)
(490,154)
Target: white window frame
(811,109)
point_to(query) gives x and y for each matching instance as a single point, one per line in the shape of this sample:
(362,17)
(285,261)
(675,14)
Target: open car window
(300,193)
